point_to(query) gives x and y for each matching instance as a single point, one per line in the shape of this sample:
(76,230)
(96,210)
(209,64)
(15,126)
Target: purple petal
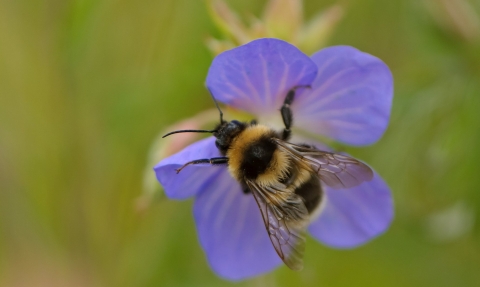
(257,76)
(354,216)
(232,231)
(191,179)
(350,99)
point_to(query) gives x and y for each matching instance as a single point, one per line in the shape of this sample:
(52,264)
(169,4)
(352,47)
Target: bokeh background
(87,85)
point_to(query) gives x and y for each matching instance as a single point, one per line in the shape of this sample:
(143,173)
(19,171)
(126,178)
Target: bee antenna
(188,131)
(218,107)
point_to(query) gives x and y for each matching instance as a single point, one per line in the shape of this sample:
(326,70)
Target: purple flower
(349,101)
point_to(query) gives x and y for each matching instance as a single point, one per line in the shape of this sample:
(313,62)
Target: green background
(86,86)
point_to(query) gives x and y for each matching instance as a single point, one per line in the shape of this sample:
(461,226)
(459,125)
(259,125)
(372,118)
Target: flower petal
(257,76)
(231,230)
(353,216)
(350,99)
(193,178)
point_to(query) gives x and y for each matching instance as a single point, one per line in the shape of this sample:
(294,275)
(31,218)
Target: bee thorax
(257,158)
(254,155)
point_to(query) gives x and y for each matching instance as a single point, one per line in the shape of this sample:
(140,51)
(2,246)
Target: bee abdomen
(311,192)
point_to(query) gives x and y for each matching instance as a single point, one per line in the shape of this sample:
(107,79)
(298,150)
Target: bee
(284,178)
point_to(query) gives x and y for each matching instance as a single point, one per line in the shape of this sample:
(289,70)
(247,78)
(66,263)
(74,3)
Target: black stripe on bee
(311,193)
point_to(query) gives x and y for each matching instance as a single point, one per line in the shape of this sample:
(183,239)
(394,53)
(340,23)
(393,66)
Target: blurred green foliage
(85,86)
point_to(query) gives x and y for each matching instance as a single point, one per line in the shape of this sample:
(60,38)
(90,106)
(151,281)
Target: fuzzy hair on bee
(285,178)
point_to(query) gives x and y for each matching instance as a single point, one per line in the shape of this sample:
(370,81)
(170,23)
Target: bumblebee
(284,178)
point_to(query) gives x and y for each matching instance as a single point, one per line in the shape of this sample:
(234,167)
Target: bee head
(226,132)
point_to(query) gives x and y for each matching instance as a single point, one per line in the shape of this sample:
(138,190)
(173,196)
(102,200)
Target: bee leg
(212,161)
(287,112)
(253,122)
(245,188)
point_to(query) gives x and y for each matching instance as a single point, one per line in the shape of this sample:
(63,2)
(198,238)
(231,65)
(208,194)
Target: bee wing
(285,217)
(335,170)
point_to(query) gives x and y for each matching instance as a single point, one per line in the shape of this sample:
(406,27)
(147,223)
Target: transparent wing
(335,170)
(285,217)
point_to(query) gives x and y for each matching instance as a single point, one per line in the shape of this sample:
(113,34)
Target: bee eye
(234,126)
